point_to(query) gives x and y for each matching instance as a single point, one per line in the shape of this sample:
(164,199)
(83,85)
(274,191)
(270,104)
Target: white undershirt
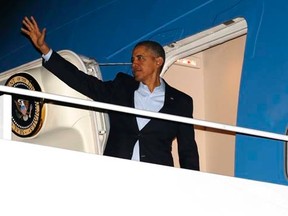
(150,101)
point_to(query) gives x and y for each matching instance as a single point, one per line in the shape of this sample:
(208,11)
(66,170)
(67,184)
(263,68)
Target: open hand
(37,37)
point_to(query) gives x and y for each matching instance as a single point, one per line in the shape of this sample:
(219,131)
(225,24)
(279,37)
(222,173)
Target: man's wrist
(44,49)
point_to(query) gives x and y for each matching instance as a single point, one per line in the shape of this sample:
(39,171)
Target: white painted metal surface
(40,180)
(5,117)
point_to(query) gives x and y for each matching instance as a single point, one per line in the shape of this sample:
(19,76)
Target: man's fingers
(31,25)
(25,31)
(43,33)
(25,23)
(34,22)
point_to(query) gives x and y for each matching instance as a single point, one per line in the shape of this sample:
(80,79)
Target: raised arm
(37,37)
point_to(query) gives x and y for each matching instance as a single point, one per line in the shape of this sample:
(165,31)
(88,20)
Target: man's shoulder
(183,103)
(176,92)
(124,76)
(126,80)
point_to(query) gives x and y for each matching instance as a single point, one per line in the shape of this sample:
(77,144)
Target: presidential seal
(26,111)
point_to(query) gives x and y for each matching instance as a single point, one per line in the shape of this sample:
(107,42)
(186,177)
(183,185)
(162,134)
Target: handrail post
(5,116)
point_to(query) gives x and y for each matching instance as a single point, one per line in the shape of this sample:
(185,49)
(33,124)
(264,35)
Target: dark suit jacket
(155,139)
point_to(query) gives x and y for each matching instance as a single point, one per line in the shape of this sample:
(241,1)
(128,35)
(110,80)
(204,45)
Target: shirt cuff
(47,56)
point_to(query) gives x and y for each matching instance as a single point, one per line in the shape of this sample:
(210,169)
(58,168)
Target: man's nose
(133,60)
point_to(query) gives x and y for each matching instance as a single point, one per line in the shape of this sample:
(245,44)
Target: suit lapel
(169,103)
(132,87)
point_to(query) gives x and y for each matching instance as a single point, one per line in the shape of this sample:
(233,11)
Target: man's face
(145,65)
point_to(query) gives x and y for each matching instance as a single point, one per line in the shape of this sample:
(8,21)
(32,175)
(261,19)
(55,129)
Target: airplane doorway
(209,70)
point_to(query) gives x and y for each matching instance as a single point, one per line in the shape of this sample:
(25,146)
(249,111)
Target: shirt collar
(144,88)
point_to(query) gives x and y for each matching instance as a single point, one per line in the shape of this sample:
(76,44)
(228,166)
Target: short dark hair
(155,47)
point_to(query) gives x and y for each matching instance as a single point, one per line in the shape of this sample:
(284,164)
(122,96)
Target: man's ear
(159,61)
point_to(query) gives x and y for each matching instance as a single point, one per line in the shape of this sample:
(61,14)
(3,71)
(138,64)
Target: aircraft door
(52,123)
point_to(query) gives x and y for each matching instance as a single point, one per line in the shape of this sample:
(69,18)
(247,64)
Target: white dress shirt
(47,56)
(150,101)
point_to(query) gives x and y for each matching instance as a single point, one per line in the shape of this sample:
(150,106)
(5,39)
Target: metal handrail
(118,108)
